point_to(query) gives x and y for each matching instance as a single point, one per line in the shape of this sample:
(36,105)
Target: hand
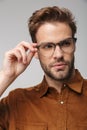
(15,62)
(17,59)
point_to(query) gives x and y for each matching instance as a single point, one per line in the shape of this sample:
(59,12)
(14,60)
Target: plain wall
(14,15)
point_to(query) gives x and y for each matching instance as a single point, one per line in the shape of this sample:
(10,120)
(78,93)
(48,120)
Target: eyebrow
(56,42)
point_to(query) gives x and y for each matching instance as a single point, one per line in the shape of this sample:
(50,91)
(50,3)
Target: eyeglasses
(67,46)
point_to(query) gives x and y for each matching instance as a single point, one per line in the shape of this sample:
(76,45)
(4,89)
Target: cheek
(69,57)
(43,60)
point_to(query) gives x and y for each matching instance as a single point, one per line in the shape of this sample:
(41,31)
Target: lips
(59,66)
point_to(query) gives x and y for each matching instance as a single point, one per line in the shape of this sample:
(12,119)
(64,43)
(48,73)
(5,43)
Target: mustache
(59,61)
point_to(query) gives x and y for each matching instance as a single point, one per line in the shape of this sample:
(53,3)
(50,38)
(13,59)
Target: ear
(36,55)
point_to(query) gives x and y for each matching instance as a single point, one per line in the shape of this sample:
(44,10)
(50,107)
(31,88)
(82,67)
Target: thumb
(30,56)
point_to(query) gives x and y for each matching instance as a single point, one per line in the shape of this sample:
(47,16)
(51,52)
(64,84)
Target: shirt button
(64,85)
(61,102)
(37,89)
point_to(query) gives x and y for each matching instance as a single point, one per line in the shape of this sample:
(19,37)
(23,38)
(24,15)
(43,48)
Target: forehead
(53,32)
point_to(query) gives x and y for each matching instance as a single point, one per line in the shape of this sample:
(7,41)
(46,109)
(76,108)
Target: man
(59,101)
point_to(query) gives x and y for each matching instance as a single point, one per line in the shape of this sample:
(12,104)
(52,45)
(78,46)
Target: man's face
(60,65)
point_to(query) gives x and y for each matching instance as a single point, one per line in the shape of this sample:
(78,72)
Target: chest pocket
(82,126)
(31,126)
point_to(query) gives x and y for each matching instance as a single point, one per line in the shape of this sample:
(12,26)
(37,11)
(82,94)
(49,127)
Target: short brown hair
(50,14)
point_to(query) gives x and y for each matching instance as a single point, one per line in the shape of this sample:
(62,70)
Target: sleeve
(1,128)
(4,114)
(7,110)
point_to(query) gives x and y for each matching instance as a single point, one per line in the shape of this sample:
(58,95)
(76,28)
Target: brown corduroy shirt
(42,108)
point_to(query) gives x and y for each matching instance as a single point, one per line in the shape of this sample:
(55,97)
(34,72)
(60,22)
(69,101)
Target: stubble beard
(59,75)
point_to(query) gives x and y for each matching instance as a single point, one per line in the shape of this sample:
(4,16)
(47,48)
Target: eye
(48,46)
(65,43)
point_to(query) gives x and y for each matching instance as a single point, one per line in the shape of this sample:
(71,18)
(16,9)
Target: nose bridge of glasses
(58,46)
(57,50)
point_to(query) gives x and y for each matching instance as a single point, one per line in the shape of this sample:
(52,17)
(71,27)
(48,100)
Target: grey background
(14,15)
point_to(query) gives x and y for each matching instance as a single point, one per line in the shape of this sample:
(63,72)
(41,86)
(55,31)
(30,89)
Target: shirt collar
(75,84)
(42,88)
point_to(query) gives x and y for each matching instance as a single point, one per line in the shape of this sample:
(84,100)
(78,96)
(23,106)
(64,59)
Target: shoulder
(22,92)
(85,82)
(85,87)
(19,94)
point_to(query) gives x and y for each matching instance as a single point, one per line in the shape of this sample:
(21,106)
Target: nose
(58,53)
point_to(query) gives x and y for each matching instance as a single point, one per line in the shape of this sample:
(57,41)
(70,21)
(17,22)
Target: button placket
(62,111)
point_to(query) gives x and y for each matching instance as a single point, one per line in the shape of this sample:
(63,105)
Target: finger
(22,53)
(28,46)
(29,57)
(13,55)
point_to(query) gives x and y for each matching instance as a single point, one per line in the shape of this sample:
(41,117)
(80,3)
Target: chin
(63,75)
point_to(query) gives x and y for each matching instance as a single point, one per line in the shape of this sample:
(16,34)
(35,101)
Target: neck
(56,83)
